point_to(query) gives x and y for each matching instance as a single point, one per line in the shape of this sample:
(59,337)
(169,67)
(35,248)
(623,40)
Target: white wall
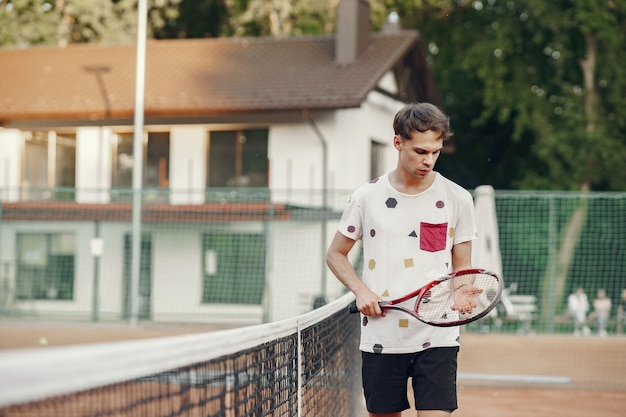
(11,151)
(295,279)
(188,156)
(296,158)
(93,164)
(296,151)
(111,282)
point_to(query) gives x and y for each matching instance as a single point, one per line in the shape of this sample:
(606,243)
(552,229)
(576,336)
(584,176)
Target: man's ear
(397,142)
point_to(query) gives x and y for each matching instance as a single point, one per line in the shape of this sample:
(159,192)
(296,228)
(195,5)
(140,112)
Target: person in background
(601,311)
(621,312)
(577,307)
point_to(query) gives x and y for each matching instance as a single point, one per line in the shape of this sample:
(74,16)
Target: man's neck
(407,184)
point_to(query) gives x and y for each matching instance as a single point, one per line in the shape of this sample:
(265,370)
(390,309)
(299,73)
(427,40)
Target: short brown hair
(421,117)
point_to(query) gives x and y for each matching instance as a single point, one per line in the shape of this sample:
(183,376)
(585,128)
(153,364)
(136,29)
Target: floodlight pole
(142,17)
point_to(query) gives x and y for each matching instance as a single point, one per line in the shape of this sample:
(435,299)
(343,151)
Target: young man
(415,225)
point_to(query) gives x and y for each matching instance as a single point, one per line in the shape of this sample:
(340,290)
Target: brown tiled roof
(150,213)
(192,77)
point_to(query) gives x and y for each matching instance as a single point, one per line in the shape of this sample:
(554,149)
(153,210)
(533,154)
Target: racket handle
(352,308)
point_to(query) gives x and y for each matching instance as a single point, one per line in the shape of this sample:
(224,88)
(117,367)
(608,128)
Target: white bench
(520,308)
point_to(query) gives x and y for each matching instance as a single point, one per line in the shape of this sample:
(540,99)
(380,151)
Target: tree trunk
(588,66)
(555,276)
(557,270)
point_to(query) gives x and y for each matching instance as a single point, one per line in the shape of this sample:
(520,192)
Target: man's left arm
(463,290)
(462,256)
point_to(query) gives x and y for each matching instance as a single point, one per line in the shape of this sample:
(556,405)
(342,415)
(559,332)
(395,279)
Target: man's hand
(367,303)
(465,298)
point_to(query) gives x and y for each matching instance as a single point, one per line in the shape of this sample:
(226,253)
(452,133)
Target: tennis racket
(452,300)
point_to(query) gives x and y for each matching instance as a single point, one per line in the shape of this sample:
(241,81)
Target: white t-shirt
(407,242)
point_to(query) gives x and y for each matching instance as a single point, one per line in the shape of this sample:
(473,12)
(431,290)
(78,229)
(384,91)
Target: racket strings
(450,301)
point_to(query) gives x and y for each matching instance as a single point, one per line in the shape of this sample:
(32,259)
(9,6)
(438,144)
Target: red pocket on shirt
(433,236)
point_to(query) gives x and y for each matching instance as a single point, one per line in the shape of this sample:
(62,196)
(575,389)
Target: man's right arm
(338,262)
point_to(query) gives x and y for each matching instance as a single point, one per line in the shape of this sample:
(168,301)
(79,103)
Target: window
(122,161)
(156,172)
(234,268)
(49,162)
(65,161)
(45,266)
(156,160)
(36,160)
(237,159)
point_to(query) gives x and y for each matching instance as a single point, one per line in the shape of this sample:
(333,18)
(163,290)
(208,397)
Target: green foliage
(600,252)
(511,71)
(61,22)
(27,22)
(200,19)
(533,227)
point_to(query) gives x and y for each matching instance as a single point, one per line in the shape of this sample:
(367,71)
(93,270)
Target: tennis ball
(43,341)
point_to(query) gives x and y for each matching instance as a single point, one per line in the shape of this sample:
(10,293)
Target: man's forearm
(345,273)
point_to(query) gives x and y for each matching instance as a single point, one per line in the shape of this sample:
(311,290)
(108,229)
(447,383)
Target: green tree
(202,19)
(61,22)
(534,89)
(24,22)
(284,17)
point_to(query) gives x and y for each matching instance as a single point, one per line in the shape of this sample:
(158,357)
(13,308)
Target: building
(237,132)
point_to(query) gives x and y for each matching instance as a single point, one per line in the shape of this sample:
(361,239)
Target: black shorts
(433,373)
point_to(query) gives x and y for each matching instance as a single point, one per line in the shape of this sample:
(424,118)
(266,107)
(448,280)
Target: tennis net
(306,366)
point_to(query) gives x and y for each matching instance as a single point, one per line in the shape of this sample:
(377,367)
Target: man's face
(418,155)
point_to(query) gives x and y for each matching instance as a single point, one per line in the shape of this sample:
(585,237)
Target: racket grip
(352,306)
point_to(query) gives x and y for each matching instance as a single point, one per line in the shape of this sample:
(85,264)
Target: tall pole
(321,299)
(138,160)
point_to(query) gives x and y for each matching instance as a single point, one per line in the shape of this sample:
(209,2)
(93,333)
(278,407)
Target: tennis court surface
(511,375)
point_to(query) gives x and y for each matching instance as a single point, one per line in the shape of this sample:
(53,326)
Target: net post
(300,369)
